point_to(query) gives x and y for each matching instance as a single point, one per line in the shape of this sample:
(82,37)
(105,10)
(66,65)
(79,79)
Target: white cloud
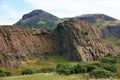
(4,21)
(60,8)
(67,8)
(8,15)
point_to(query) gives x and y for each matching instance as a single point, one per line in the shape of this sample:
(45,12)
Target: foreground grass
(52,76)
(45,76)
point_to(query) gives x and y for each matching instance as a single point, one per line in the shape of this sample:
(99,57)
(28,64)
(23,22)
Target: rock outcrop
(74,39)
(17,44)
(81,41)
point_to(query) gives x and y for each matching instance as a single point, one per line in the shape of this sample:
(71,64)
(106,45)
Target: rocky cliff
(73,39)
(81,41)
(17,44)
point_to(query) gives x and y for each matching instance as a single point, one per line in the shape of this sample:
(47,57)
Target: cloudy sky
(12,10)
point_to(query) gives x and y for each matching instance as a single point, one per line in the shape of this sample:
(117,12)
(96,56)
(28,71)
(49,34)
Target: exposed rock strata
(77,40)
(81,41)
(17,44)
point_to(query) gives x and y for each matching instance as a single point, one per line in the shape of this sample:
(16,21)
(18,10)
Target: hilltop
(38,19)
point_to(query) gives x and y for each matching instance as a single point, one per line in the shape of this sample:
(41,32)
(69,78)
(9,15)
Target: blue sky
(12,10)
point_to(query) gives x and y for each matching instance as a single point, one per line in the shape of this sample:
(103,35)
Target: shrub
(48,70)
(84,33)
(90,67)
(65,69)
(67,72)
(80,68)
(7,73)
(108,60)
(101,73)
(27,71)
(4,73)
(109,67)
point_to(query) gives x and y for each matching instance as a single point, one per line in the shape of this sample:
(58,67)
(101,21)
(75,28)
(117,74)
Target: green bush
(67,72)
(27,71)
(108,60)
(65,69)
(84,33)
(90,67)
(4,73)
(80,68)
(109,67)
(47,70)
(101,73)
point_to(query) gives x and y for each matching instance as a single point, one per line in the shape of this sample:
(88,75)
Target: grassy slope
(42,63)
(115,42)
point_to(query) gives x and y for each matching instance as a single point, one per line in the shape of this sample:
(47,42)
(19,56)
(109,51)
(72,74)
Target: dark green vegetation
(101,73)
(27,71)
(4,73)
(105,68)
(38,19)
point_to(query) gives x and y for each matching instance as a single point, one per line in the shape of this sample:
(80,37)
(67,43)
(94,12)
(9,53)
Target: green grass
(42,63)
(115,42)
(45,76)
(52,76)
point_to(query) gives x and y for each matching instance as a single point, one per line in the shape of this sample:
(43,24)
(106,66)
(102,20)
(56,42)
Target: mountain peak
(38,19)
(39,14)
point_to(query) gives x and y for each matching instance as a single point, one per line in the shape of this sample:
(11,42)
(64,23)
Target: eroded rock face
(81,41)
(17,44)
(74,39)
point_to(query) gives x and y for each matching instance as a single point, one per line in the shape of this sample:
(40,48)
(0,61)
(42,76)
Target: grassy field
(45,76)
(52,76)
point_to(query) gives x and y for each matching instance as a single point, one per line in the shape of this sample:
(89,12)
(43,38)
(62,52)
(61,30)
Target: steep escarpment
(81,41)
(18,44)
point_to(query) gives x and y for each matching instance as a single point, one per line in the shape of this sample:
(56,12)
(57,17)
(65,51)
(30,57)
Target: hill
(38,19)
(73,39)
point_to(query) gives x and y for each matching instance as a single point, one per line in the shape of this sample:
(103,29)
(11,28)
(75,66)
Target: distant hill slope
(99,20)
(38,19)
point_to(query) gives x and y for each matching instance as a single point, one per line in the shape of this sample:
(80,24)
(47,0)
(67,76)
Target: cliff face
(81,41)
(17,44)
(74,39)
